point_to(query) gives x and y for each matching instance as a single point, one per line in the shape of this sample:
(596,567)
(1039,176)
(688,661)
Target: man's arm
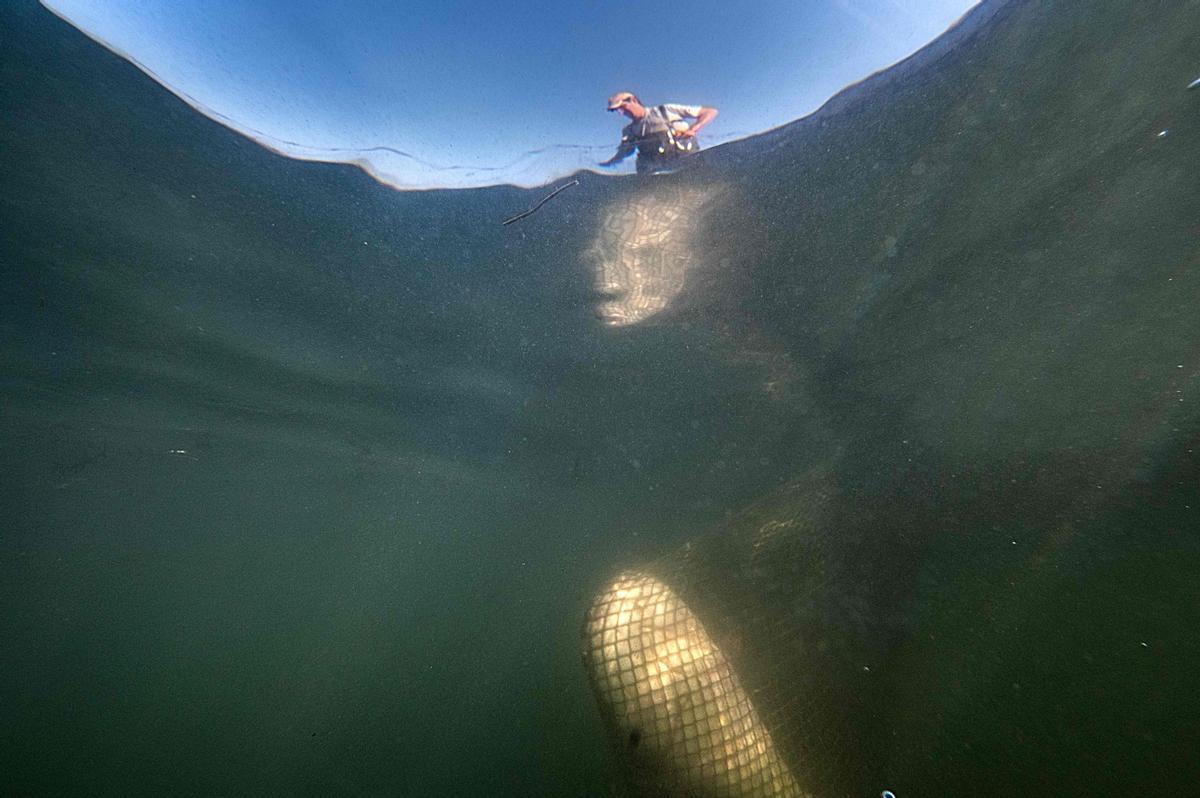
(705,116)
(623,151)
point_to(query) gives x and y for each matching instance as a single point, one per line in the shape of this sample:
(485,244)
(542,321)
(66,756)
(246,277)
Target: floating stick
(545,199)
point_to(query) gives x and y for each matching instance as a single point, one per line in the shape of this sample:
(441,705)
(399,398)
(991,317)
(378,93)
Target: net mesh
(672,698)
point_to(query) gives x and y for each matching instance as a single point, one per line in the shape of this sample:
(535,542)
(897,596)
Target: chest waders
(659,147)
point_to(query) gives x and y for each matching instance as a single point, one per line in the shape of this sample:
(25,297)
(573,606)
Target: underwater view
(859,456)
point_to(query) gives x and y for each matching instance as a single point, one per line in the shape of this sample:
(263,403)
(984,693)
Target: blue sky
(479,93)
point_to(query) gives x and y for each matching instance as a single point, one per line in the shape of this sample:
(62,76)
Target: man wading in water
(660,134)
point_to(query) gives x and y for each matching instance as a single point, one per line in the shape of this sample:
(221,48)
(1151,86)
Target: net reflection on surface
(645,249)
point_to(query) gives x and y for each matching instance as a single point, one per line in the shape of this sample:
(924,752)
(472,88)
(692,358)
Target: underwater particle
(1194,83)
(887,794)
(1162,133)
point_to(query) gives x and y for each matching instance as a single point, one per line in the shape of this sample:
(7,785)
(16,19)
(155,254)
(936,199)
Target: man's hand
(686,133)
(623,151)
(706,115)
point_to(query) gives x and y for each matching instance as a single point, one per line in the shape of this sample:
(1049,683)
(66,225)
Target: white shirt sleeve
(676,110)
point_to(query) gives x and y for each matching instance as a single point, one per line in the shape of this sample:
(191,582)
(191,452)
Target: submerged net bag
(698,666)
(673,701)
(994,634)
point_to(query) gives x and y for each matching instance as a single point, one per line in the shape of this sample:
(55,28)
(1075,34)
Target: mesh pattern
(647,246)
(672,700)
